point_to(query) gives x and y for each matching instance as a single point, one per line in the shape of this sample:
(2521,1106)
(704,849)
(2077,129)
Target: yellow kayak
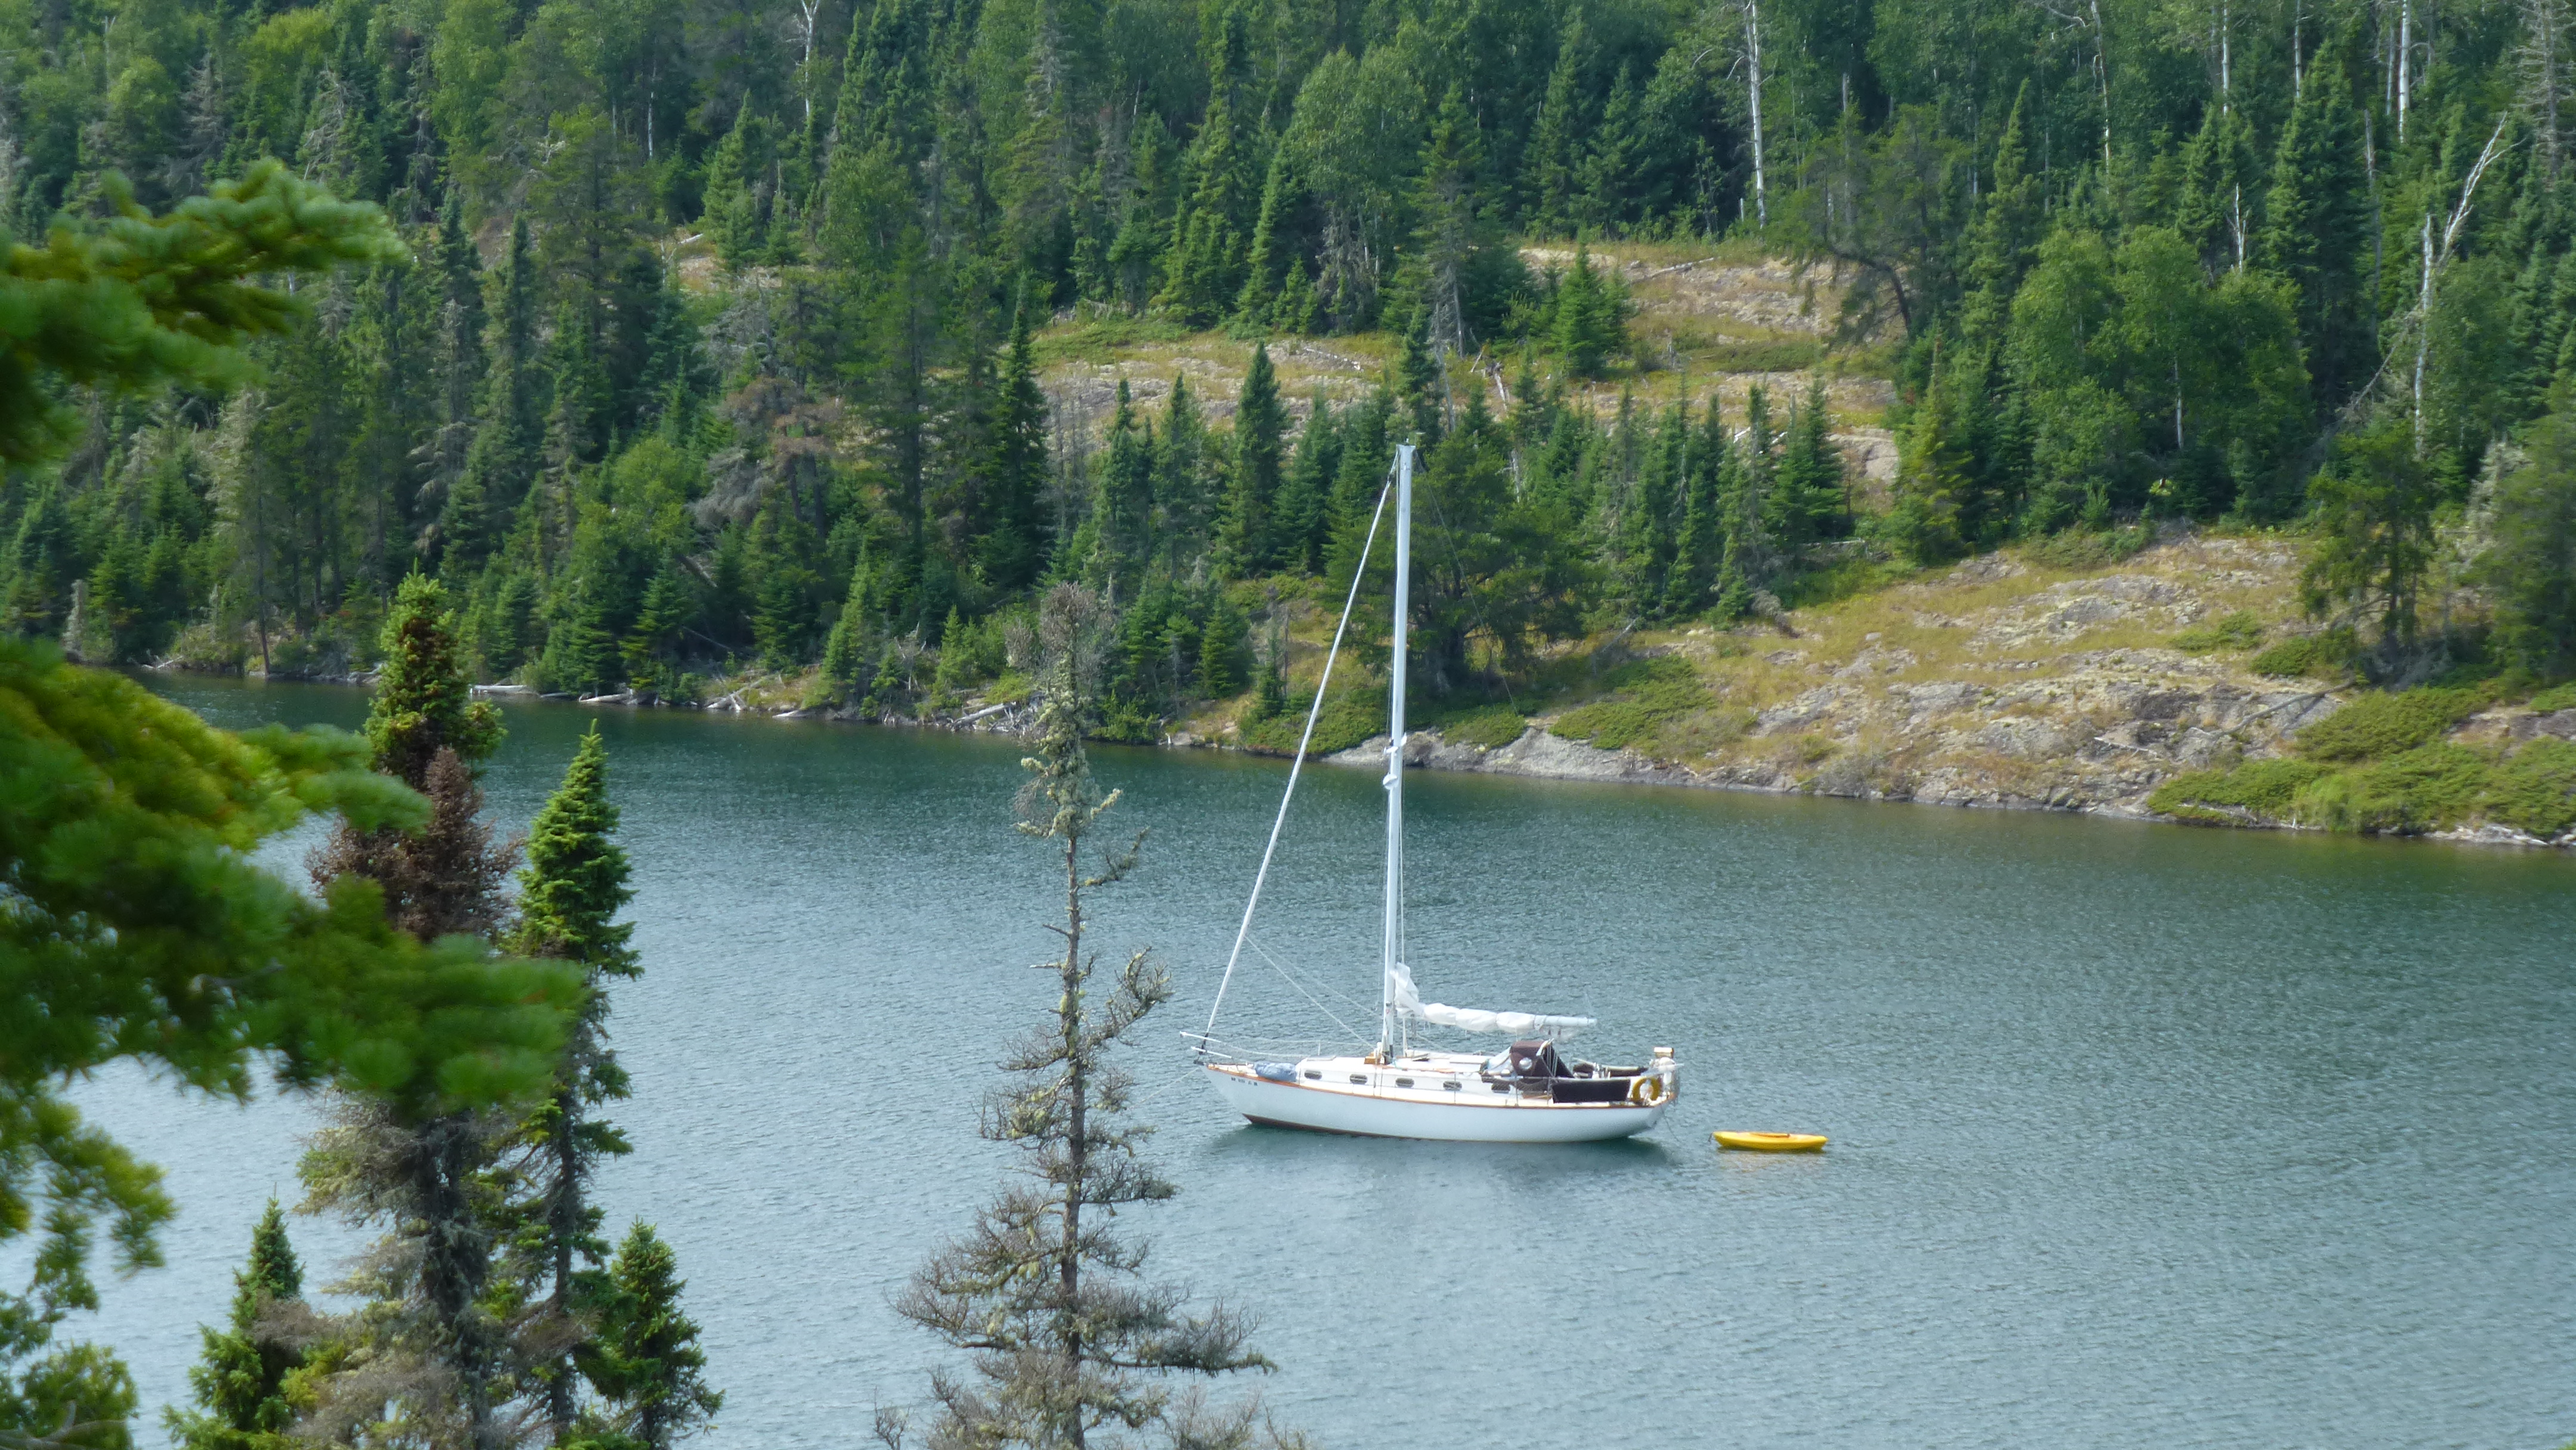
(1772,1142)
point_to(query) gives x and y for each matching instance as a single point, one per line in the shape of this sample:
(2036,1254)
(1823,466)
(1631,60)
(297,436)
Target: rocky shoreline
(2111,776)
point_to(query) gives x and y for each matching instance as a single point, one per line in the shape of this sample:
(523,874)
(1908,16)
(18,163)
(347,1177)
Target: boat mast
(1386,1029)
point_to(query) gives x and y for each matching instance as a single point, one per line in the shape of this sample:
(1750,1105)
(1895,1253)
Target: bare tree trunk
(1753,57)
(2405,49)
(2423,331)
(1077,1135)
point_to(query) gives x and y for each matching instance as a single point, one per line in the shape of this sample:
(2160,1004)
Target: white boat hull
(1377,1111)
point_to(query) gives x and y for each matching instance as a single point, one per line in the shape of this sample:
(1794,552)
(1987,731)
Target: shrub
(2242,630)
(1489,726)
(2425,789)
(2076,549)
(1349,717)
(1644,694)
(2376,726)
(1764,355)
(2535,791)
(2262,788)
(2325,656)
(2562,697)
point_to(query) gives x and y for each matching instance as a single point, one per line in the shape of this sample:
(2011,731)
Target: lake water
(2143,1136)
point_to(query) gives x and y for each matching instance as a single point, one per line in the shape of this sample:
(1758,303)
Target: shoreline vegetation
(2177,684)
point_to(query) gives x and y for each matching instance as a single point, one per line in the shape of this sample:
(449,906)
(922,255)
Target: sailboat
(1531,1091)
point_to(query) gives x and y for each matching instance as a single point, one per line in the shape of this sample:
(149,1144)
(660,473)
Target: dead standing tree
(1066,1337)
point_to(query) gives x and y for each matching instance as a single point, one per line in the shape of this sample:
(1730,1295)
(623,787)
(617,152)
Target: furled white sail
(1409,1001)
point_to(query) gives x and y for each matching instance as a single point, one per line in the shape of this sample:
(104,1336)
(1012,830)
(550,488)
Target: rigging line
(1317,1002)
(1283,969)
(1358,574)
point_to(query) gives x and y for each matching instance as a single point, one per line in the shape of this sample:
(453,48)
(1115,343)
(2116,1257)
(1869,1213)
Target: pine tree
(1244,542)
(239,1383)
(646,1360)
(1066,1342)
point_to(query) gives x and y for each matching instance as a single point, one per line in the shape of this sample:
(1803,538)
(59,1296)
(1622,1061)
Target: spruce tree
(1205,272)
(239,1382)
(502,460)
(1182,511)
(1807,486)
(1260,303)
(1448,200)
(1305,495)
(2010,219)
(1122,502)
(420,1165)
(2221,193)
(570,892)
(2318,216)
(1589,327)
(1013,546)
(1222,653)
(646,1360)
(1549,175)
(1244,542)
(1699,546)
(1042,1293)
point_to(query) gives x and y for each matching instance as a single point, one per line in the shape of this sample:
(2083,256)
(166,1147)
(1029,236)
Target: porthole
(1359,1077)
(1404,1082)
(1500,1088)
(1451,1086)
(1314,1077)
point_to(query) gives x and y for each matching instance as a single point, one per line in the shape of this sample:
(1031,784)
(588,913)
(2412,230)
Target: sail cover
(1469,1019)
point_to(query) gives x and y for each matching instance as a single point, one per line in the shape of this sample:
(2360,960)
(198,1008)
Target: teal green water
(2142,1136)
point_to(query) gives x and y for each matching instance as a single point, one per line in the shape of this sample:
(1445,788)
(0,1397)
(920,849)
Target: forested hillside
(2293,263)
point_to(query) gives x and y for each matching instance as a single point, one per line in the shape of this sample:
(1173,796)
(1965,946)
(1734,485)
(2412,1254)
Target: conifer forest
(714,339)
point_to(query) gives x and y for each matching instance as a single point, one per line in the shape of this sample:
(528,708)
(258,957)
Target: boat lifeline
(1532,1092)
